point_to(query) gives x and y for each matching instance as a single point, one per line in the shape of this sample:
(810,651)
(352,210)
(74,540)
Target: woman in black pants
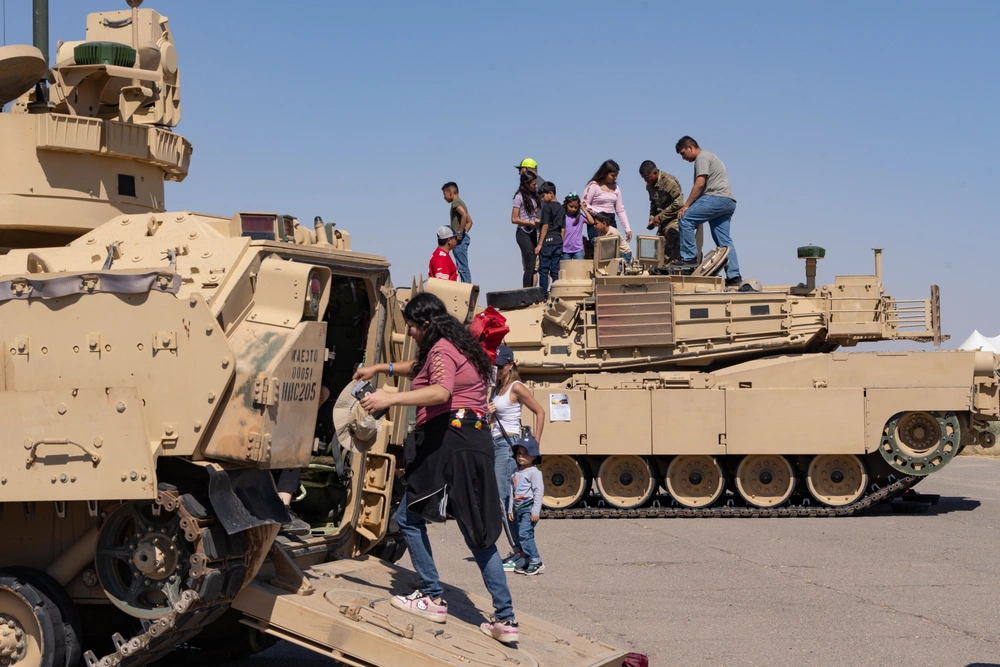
(525,216)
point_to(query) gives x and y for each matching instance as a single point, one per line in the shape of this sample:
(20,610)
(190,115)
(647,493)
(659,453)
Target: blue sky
(849,125)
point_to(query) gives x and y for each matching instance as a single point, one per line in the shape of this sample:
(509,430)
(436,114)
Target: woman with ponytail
(449,458)
(525,214)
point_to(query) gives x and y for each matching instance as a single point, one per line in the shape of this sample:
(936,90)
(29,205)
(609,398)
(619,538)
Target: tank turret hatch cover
(713,262)
(21,67)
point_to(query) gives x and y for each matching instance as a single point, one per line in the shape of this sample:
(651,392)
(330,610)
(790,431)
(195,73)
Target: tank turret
(95,131)
(606,314)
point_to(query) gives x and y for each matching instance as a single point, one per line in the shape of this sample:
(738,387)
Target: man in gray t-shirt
(712,201)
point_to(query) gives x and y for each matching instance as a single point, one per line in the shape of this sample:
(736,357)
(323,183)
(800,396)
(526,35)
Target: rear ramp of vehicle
(341,609)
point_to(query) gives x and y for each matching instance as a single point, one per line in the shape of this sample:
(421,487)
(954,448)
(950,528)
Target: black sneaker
(531,569)
(681,268)
(734,282)
(295,525)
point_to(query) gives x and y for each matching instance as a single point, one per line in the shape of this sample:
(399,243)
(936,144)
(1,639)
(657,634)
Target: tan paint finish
(109,345)
(75,444)
(321,621)
(688,422)
(795,421)
(619,422)
(561,437)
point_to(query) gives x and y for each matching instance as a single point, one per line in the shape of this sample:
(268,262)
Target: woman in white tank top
(508,398)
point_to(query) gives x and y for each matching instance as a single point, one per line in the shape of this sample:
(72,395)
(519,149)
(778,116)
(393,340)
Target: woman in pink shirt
(603,195)
(449,459)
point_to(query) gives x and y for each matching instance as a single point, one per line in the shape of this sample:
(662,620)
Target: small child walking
(527,489)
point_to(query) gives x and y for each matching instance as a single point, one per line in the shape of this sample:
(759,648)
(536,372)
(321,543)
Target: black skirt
(449,468)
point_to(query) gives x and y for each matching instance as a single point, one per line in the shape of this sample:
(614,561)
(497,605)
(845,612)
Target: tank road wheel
(695,480)
(915,443)
(626,482)
(31,632)
(836,479)
(566,481)
(142,559)
(765,480)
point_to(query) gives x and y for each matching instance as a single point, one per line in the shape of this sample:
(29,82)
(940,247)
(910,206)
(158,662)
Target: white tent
(978,341)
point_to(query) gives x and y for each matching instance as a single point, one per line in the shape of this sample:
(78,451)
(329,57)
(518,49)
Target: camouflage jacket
(665,199)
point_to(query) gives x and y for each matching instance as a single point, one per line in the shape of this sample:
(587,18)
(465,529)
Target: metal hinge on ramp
(265,390)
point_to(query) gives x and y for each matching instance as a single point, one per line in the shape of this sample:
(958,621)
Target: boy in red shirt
(441,265)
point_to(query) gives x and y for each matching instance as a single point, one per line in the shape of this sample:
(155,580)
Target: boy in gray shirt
(527,489)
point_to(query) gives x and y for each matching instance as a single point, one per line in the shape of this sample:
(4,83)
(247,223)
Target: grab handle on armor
(33,445)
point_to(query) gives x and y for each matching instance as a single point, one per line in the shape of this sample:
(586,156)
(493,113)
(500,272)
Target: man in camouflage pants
(665,199)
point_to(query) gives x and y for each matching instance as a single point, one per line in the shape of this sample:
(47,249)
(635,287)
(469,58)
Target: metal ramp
(341,609)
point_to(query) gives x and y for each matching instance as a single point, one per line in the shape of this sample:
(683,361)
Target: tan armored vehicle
(737,402)
(157,366)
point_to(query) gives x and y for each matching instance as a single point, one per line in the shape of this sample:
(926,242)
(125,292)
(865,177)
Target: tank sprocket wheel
(836,480)
(765,480)
(142,559)
(567,480)
(915,443)
(695,480)
(626,481)
(31,632)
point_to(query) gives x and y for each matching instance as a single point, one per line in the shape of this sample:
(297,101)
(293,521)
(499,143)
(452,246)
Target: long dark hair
(529,198)
(579,211)
(428,311)
(607,167)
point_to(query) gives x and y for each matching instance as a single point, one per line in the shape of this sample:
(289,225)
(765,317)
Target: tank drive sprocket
(915,443)
(170,564)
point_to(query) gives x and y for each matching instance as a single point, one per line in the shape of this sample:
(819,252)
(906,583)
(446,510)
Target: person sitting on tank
(602,223)
(449,459)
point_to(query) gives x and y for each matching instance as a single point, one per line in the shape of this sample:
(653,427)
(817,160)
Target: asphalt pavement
(876,589)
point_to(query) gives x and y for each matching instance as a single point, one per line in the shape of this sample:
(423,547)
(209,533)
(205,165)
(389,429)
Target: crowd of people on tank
(549,231)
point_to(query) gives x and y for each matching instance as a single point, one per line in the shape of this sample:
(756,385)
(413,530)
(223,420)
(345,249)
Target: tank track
(653,512)
(217,572)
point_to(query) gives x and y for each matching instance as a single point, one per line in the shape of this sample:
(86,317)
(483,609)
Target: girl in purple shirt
(576,220)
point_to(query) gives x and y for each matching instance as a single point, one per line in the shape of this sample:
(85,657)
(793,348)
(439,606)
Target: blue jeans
(548,265)
(524,531)
(461,255)
(717,212)
(504,465)
(573,255)
(414,529)
(627,256)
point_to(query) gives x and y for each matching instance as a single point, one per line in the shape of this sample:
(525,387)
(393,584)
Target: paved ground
(879,589)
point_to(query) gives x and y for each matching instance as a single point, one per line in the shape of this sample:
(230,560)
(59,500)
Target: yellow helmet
(527,163)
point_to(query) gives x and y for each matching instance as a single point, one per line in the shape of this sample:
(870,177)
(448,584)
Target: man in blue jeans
(461,222)
(710,201)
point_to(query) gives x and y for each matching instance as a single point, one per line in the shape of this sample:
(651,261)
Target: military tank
(671,395)
(158,366)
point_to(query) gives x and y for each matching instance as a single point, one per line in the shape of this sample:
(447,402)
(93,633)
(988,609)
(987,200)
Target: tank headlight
(313,295)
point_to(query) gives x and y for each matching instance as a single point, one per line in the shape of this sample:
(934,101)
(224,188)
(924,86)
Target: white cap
(445,232)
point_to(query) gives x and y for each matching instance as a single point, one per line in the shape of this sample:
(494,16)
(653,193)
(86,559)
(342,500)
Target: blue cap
(530,444)
(505,355)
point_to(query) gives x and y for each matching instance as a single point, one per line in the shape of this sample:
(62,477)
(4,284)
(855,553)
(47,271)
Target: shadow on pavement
(925,506)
